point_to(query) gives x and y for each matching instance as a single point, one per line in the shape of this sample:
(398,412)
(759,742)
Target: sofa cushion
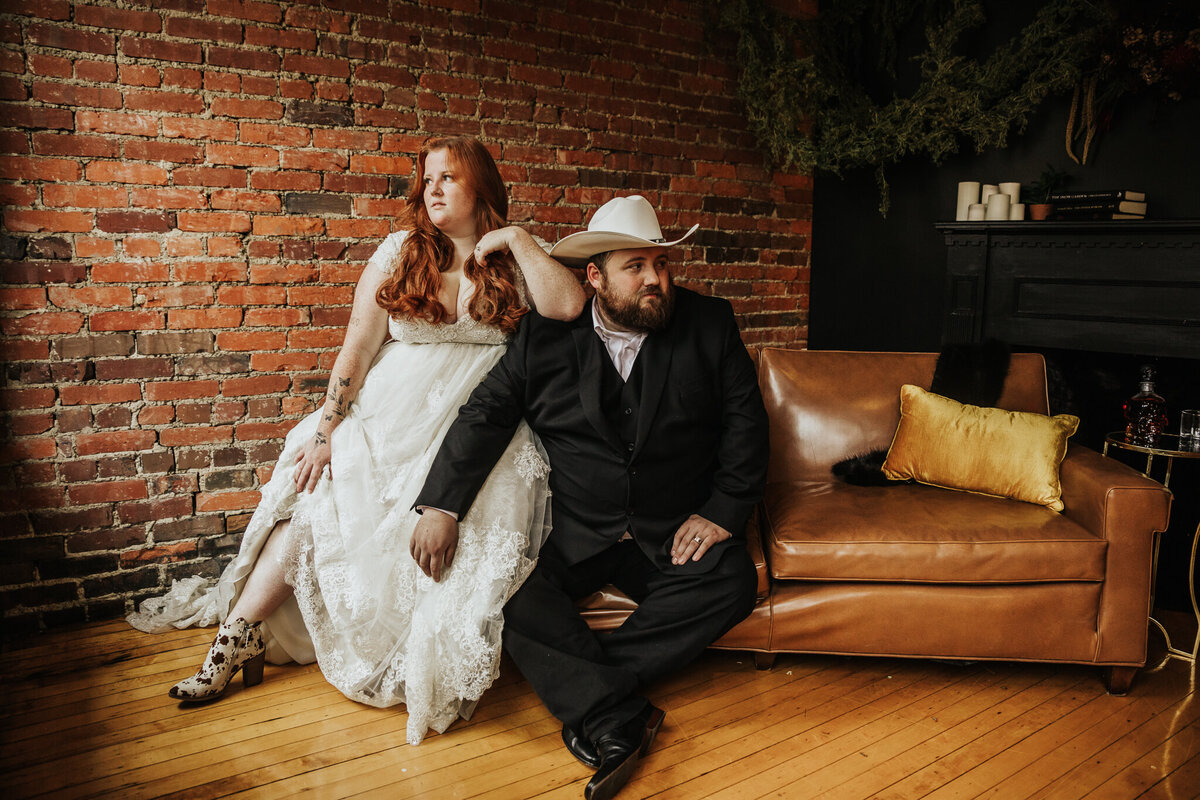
(833,531)
(942,442)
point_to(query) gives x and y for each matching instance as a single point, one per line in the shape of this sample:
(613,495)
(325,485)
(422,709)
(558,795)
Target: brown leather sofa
(919,571)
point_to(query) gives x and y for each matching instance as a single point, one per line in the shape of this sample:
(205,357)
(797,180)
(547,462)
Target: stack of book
(1101,204)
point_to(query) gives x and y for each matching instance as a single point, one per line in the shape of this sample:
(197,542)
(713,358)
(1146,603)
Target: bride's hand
(499,240)
(315,455)
(434,541)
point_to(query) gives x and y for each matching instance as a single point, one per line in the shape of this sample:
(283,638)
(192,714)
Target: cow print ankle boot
(239,645)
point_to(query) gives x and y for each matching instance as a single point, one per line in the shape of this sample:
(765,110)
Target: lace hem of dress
(190,601)
(443,651)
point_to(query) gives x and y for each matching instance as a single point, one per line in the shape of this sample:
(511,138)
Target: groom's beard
(646,311)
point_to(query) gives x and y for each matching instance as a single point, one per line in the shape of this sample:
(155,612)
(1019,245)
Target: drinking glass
(1189,430)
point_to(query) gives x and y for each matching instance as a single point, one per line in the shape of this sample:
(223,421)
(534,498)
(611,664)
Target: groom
(649,409)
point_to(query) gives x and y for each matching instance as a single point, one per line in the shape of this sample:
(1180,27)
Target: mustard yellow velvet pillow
(985,450)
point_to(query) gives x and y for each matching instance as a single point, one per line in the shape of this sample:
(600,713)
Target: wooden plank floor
(85,714)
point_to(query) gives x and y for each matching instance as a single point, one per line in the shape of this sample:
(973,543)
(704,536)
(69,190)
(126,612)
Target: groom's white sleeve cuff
(451,514)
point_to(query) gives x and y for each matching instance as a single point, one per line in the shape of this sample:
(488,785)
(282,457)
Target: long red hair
(412,289)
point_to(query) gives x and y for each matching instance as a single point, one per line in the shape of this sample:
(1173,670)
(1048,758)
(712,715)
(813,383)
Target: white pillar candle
(1013,190)
(968,194)
(975,212)
(997,207)
(987,191)
(1016,211)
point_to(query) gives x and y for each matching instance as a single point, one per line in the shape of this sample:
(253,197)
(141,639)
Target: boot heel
(252,670)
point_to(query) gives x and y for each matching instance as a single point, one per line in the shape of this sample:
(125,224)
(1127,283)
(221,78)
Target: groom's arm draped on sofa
(649,410)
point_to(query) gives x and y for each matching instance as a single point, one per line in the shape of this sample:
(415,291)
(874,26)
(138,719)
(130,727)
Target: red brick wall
(191,189)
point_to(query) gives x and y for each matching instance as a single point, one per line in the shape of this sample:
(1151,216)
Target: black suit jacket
(701,443)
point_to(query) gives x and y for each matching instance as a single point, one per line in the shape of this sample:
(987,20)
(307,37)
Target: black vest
(621,400)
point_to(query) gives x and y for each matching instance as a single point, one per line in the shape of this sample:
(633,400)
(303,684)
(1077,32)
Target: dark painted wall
(877,283)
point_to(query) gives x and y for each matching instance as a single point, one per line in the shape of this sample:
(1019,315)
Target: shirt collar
(607,334)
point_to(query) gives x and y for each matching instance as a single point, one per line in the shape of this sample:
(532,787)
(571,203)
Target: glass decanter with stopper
(1145,412)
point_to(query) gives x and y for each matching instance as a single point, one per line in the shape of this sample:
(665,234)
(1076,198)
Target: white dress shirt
(622,346)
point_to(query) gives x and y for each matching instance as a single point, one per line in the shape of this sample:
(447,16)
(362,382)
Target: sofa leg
(764,660)
(1118,680)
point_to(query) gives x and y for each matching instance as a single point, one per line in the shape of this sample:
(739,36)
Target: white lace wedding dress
(382,632)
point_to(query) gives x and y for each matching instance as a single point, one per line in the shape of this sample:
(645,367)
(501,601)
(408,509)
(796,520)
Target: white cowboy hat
(623,223)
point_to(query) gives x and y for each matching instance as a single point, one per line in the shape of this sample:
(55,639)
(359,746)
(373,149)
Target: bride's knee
(277,537)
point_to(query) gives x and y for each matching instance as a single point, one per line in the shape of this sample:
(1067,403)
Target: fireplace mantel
(1129,286)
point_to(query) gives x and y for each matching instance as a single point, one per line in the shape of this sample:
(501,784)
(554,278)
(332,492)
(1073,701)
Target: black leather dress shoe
(580,747)
(584,751)
(619,752)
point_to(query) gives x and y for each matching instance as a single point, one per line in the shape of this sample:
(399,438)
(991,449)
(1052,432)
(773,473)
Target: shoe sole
(655,722)
(615,781)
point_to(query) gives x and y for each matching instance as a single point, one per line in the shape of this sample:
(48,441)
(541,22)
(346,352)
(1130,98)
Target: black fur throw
(969,373)
(864,469)
(972,374)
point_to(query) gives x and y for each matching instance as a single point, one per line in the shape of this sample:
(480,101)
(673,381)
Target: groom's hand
(694,537)
(434,541)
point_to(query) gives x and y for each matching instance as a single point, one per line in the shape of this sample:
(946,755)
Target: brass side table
(1168,448)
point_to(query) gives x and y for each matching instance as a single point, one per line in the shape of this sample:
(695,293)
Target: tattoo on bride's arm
(343,402)
(321,438)
(337,398)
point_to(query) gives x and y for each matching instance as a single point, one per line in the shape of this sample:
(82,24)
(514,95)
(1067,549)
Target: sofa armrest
(1125,509)
(1106,497)
(758,556)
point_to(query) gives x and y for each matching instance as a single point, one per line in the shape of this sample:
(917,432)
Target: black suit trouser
(591,680)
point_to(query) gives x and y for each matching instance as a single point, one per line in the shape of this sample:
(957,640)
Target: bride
(324,571)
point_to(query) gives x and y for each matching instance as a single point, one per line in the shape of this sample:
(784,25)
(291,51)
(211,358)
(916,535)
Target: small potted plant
(1038,194)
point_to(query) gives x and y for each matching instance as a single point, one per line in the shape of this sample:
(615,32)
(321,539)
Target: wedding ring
(697,539)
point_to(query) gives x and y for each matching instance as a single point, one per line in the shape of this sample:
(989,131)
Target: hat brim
(577,248)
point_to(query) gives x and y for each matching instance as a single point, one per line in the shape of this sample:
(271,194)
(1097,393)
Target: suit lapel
(590,350)
(656,352)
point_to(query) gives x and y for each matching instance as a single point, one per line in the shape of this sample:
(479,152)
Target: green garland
(812,112)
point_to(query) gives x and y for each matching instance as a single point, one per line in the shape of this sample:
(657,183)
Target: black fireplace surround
(1128,286)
